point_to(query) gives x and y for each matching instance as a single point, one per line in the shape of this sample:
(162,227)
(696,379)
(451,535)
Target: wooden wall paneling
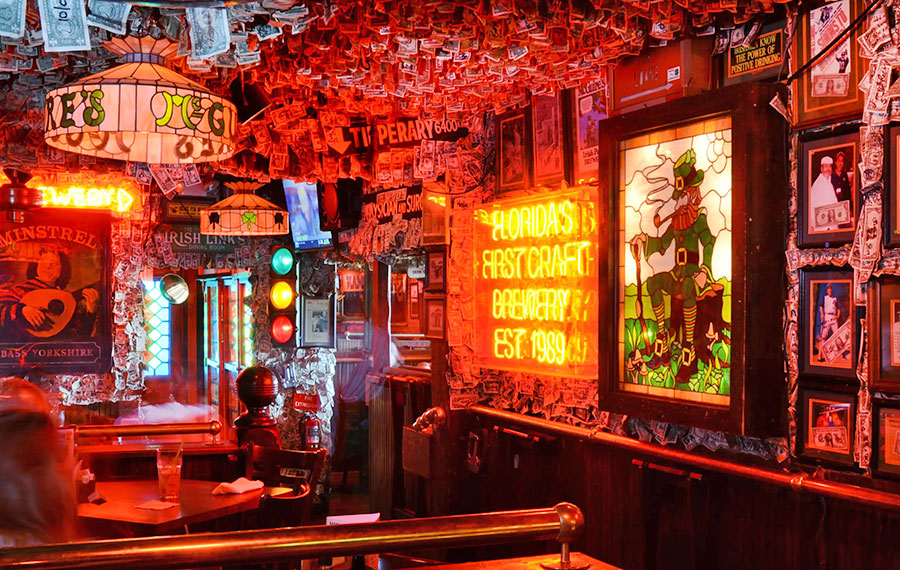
(642,518)
(381,445)
(381,451)
(447,461)
(381,340)
(212,466)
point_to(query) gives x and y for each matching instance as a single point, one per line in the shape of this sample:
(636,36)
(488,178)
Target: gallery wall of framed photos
(833,220)
(842,334)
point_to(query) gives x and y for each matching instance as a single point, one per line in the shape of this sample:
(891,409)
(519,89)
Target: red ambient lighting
(282,329)
(535,283)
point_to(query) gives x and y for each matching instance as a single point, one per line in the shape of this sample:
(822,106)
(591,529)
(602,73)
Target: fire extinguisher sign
(306,402)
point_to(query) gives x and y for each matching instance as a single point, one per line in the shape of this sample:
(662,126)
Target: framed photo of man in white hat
(828,190)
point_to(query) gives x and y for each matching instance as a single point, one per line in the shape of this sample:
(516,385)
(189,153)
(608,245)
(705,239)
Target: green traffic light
(282,260)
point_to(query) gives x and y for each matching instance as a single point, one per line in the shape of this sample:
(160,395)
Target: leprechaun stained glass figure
(689,284)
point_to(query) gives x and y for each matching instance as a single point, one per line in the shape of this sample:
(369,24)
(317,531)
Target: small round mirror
(174,288)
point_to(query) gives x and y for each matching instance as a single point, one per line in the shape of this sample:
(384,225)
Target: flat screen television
(303,210)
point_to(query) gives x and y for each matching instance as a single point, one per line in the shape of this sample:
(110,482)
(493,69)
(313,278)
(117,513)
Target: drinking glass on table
(168,467)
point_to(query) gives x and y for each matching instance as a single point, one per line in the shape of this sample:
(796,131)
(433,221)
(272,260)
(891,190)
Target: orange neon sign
(111,198)
(536,289)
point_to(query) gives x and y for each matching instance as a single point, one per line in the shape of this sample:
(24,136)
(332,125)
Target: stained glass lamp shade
(244,214)
(141,111)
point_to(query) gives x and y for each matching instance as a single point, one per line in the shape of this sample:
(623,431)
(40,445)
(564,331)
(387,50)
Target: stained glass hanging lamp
(244,214)
(141,111)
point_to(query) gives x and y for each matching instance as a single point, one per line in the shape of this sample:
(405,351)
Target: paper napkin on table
(240,485)
(156,505)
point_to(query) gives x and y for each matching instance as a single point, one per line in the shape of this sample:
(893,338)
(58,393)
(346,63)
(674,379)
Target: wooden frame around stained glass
(744,263)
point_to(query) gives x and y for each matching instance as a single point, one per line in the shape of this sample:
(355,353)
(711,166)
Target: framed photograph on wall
(183,209)
(435,213)
(589,108)
(891,213)
(826,425)
(317,322)
(435,311)
(415,295)
(547,134)
(55,293)
(828,325)
(828,90)
(399,291)
(513,151)
(436,270)
(886,437)
(684,346)
(883,322)
(353,292)
(828,190)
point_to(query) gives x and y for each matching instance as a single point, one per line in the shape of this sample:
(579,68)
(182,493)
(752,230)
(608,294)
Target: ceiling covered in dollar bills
(322,64)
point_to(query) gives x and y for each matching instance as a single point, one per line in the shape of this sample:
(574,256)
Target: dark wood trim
(796,481)
(875,460)
(878,322)
(759,199)
(569,120)
(381,314)
(891,178)
(445,438)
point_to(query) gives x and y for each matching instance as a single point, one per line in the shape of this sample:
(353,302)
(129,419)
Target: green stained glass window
(235,314)
(247,348)
(157,318)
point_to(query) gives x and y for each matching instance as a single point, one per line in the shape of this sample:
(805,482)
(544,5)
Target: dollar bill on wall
(832,214)
(209,32)
(64,25)
(826,22)
(112,16)
(12,18)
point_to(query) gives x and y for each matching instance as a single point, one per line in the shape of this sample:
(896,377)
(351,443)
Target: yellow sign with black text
(765,52)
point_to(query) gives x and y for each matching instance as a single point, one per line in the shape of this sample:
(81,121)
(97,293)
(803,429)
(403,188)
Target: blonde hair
(36,491)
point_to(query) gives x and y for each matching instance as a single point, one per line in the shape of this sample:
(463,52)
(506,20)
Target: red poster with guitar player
(54,293)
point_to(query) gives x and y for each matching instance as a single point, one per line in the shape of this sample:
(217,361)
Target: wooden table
(376,562)
(526,563)
(120,517)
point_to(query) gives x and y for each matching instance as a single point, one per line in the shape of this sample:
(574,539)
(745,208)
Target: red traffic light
(282,329)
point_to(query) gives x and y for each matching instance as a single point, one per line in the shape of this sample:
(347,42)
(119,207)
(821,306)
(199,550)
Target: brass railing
(137,430)
(562,522)
(800,482)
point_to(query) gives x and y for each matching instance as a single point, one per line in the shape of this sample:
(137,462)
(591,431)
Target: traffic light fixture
(283,298)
